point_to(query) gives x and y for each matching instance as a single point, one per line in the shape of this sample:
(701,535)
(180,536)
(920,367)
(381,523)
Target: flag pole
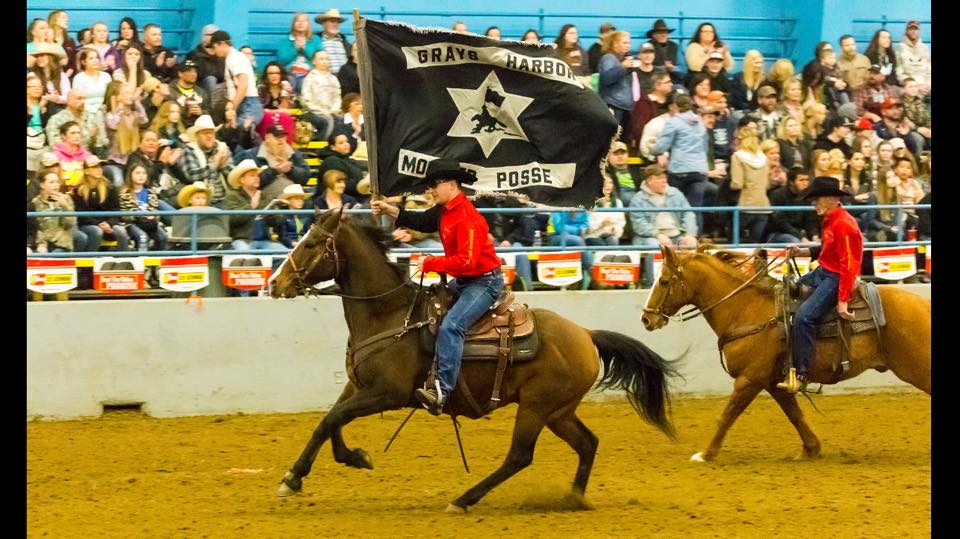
(369,110)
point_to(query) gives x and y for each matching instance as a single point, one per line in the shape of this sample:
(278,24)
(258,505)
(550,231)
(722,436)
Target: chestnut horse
(753,360)
(377,296)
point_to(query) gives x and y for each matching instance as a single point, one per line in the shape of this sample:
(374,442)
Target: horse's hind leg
(352,404)
(788,403)
(744,391)
(570,429)
(526,430)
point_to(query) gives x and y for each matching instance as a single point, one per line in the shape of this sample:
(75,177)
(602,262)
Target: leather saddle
(865,305)
(505,323)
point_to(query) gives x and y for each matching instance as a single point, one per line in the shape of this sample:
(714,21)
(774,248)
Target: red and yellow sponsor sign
(184,274)
(895,263)
(559,268)
(51,275)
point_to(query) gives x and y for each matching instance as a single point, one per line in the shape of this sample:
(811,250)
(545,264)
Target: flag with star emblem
(512,112)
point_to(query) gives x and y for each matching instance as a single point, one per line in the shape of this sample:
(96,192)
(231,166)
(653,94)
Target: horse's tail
(630,365)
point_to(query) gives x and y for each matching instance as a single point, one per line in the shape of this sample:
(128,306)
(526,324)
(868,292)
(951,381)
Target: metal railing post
(680,47)
(540,18)
(900,224)
(736,227)
(194,218)
(383,13)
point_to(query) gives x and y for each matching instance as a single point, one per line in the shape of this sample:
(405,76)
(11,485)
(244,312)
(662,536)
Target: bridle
(693,312)
(329,251)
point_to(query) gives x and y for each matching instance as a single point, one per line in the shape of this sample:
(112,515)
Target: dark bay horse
(702,280)
(547,389)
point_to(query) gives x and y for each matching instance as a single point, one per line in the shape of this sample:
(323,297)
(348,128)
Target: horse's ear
(669,257)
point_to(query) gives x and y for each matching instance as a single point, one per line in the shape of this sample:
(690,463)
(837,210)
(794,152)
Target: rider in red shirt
(469,258)
(839,256)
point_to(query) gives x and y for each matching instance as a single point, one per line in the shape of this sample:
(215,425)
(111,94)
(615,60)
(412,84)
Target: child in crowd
(195,195)
(137,196)
(52,234)
(293,227)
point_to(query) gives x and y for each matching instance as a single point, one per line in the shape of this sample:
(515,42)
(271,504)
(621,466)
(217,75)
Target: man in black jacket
(803,226)
(596,50)
(512,230)
(159,61)
(210,68)
(666,50)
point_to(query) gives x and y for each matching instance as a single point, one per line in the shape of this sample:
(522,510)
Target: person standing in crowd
(653,229)
(95,193)
(685,137)
(91,79)
(769,116)
(665,50)
(744,86)
(126,35)
(778,174)
(160,61)
(351,121)
(137,195)
(569,40)
(880,51)
(334,42)
(124,118)
(606,228)
(241,88)
(320,96)
(750,175)
(52,234)
(348,76)
(835,131)
(854,67)
(58,21)
(596,50)
(649,106)
(210,67)
(469,258)
(285,165)
(704,41)
(204,159)
(616,88)
(913,58)
(194,101)
(296,49)
(833,280)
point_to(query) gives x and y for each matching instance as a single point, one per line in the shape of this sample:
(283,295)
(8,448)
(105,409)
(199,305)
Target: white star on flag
(488,114)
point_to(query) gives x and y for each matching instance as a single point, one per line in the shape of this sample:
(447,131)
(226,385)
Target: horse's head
(313,260)
(668,294)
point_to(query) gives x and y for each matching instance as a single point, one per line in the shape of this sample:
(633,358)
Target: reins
(692,313)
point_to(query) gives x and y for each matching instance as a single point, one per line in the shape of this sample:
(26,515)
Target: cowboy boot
(791,384)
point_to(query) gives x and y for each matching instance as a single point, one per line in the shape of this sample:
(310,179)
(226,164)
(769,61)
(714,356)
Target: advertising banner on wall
(245,272)
(616,267)
(51,275)
(559,268)
(118,275)
(184,274)
(895,264)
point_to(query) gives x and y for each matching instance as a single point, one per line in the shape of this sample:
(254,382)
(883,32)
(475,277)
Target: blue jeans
(522,267)
(89,238)
(755,223)
(142,238)
(693,185)
(476,297)
(209,83)
(826,285)
(250,106)
(323,123)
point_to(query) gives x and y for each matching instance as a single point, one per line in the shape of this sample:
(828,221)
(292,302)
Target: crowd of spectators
(127,124)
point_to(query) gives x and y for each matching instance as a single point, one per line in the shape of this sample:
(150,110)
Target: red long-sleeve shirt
(468,251)
(842,249)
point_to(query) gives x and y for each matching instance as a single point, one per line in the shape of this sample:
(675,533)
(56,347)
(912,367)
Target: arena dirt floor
(128,475)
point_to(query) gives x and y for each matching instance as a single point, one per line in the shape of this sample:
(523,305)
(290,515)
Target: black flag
(512,112)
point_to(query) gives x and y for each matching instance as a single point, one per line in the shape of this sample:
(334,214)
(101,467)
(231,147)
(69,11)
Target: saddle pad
(525,347)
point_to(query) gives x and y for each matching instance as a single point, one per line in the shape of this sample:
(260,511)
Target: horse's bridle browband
(692,312)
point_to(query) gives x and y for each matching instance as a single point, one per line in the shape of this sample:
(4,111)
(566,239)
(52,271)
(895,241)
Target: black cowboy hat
(658,26)
(825,186)
(446,169)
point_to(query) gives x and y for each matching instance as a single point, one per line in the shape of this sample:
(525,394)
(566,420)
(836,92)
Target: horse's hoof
(577,502)
(454,509)
(807,455)
(286,489)
(697,457)
(360,459)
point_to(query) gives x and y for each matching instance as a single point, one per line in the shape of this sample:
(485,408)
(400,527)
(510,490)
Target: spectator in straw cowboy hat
(204,159)
(334,42)
(666,50)
(195,195)
(839,258)
(292,227)
(249,232)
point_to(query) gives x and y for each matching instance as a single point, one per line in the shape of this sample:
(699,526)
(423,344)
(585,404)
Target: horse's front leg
(744,391)
(353,403)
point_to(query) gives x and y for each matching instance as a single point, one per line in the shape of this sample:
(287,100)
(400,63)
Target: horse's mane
(734,263)
(381,239)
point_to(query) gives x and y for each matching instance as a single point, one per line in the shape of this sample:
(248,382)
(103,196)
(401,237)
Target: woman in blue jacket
(296,50)
(616,88)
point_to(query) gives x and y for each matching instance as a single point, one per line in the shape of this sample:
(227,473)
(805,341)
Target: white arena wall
(259,355)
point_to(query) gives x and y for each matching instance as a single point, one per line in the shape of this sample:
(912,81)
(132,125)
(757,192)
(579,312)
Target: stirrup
(791,384)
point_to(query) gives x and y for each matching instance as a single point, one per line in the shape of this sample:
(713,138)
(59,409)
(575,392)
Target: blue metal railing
(735,240)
